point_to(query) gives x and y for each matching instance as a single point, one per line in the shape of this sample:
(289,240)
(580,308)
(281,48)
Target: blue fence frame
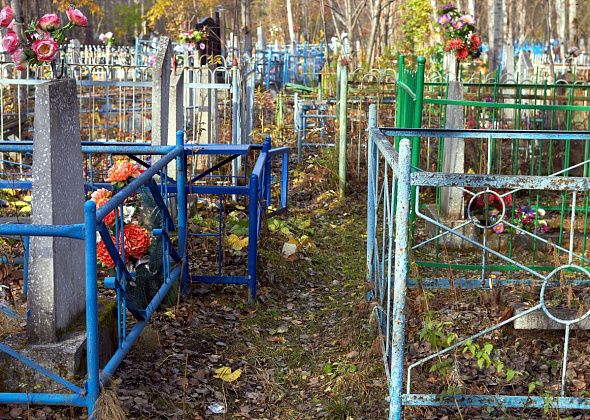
(175,258)
(391,181)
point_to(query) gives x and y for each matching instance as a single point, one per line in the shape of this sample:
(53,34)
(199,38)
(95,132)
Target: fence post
(398,336)
(252,237)
(342,129)
(417,123)
(371,178)
(236,123)
(401,97)
(91,307)
(181,208)
(267,145)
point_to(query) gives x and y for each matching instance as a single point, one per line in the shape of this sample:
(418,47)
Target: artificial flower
(45,48)
(77,17)
(123,170)
(10,42)
(49,22)
(137,240)
(6,16)
(103,255)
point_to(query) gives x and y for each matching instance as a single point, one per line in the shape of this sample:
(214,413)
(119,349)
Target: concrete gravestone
(56,292)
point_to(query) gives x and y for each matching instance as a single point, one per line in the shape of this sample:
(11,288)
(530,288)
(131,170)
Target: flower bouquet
(193,40)
(140,253)
(42,38)
(460,35)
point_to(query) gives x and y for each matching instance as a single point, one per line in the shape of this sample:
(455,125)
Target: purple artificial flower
(467,19)
(448,7)
(444,19)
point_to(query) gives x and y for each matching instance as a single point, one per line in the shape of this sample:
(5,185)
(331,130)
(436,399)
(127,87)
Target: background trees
(380,26)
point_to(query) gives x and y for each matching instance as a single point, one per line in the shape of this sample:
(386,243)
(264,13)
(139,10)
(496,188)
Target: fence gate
(522,235)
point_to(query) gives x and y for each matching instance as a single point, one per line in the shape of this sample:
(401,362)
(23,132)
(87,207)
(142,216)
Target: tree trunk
(290,21)
(17,11)
(246,26)
(573,24)
(522,26)
(561,27)
(494,33)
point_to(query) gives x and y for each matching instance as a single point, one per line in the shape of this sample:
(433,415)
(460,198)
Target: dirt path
(304,350)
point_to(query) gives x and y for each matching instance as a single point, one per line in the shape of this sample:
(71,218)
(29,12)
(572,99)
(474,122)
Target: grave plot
(477,259)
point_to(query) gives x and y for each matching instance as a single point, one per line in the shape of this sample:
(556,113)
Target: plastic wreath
(42,38)
(460,34)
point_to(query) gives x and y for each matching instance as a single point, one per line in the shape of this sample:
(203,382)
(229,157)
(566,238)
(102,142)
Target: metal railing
(399,229)
(264,194)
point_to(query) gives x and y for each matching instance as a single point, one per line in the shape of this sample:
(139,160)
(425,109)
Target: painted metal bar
(523,182)
(220,279)
(114,362)
(181,203)
(44,399)
(92,345)
(497,401)
(253,214)
(342,129)
(129,189)
(485,134)
(398,334)
(75,231)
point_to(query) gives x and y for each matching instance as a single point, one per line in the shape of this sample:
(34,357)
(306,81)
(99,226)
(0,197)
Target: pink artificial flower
(5,16)
(49,22)
(45,48)
(10,42)
(18,57)
(77,17)
(468,19)
(499,228)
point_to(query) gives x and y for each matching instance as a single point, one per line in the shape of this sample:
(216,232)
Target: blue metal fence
(392,240)
(261,190)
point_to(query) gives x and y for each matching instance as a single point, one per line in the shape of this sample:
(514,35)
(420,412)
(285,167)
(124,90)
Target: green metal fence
(513,107)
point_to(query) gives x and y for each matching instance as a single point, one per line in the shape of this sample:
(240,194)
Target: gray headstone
(161,91)
(452,205)
(260,39)
(508,66)
(75,46)
(56,296)
(450,65)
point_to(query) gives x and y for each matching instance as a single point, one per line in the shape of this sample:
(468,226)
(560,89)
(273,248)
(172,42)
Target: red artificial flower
(123,170)
(100,197)
(455,44)
(103,254)
(137,241)
(462,53)
(475,41)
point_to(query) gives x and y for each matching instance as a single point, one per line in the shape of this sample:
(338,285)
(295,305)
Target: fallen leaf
(225,374)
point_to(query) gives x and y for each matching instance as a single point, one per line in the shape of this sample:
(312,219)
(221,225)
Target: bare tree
(573,24)
(494,32)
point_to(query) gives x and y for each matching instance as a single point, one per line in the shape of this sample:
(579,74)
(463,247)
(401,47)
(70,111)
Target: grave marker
(56,296)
